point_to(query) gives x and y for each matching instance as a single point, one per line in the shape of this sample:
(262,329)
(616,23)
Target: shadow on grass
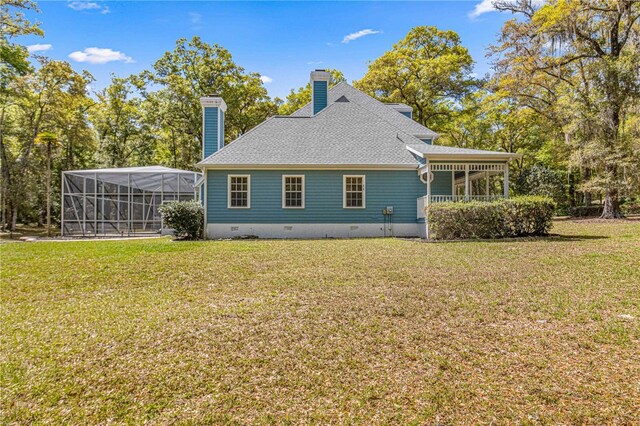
(547,238)
(558,237)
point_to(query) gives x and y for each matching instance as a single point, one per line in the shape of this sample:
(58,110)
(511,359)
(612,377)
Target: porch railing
(423,202)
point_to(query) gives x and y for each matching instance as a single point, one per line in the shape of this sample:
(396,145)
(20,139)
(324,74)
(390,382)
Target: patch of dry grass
(26,231)
(378,331)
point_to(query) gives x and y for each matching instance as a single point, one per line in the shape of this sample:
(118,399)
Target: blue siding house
(345,165)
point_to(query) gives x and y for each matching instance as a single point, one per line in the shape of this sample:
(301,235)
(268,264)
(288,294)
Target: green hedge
(584,211)
(186,218)
(514,217)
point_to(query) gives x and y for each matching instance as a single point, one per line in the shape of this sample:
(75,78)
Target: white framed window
(239,191)
(293,191)
(353,192)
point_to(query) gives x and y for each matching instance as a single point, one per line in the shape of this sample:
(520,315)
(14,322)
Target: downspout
(206,179)
(426,212)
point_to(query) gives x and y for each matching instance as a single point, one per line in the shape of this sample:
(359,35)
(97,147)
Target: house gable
(344,134)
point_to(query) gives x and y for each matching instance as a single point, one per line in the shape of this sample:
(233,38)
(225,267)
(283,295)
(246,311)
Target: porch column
(486,185)
(426,215)
(506,180)
(466,183)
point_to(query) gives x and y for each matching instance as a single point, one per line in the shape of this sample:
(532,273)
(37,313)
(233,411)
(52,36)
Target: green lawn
(369,331)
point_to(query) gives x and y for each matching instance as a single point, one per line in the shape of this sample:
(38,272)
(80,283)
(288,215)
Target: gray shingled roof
(357,131)
(344,133)
(383,111)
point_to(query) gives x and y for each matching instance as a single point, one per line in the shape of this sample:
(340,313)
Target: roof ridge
(380,116)
(236,140)
(386,106)
(341,84)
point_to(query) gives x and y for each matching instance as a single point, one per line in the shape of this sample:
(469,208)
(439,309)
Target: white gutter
(307,166)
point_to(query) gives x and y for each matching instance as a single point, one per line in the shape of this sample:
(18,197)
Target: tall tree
(13,63)
(195,69)
(124,138)
(49,142)
(34,107)
(578,60)
(488,120)
(428,70)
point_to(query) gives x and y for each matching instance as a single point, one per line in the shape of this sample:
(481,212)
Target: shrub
(539,180)
(186,218)
(630,207)
(515,217)
(584,211)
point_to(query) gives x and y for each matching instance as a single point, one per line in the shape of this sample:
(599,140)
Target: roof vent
(342,99)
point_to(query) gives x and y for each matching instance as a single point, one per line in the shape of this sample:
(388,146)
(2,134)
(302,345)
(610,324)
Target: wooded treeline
(565,93)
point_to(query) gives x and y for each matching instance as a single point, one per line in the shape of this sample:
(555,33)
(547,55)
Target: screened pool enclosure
(124,202)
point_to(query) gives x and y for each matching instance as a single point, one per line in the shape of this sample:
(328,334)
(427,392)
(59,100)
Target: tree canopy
(577,62)
(428,70)
(192,70)
(564,92)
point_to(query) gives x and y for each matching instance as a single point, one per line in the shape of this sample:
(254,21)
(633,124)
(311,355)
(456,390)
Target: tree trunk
(587,195)
(3,212)
(48,189)
(14,217)
(572,192)
(611,208)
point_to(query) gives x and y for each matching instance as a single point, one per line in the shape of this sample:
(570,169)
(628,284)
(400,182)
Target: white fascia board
(500,156)
(307,166)
(400,108)
(506,156)
(414,151)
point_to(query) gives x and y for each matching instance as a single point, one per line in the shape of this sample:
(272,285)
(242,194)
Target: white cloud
(486,6)
(39,48)
(83,5)
(96,55)
(358,34)
(88,5)
(195,18)
(266,79)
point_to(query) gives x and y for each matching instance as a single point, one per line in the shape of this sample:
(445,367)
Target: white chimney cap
(320,75)
(213,101)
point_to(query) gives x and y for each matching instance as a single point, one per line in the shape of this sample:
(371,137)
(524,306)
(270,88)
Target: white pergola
(121,201)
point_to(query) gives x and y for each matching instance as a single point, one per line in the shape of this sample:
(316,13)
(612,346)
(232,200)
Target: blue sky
(282,41)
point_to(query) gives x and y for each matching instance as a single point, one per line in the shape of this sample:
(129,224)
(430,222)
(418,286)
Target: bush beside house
(515,217)
(186,218)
